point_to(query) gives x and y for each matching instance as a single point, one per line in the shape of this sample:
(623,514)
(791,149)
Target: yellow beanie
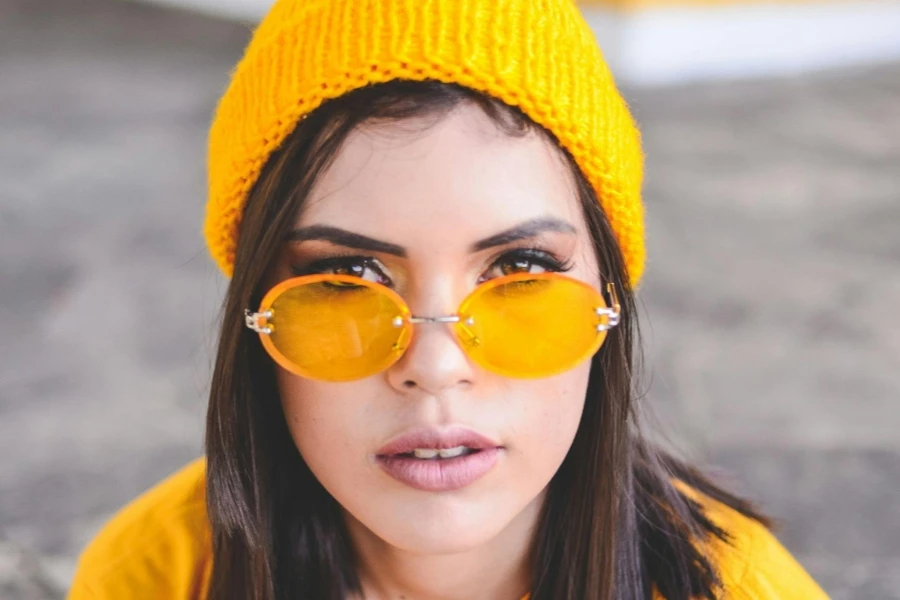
(538,55)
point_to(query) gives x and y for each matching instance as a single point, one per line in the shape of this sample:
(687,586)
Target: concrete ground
(772,329)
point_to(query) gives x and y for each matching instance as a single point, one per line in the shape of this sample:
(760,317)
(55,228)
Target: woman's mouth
(439,454)
(439,470)
(439,460)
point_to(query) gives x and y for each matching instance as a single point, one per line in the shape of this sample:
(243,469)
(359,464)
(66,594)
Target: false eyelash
(540,257)
(337,260)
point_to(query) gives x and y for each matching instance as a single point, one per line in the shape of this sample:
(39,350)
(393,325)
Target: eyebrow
(342,237)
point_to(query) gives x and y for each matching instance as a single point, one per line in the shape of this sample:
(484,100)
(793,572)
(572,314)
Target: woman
(424,388)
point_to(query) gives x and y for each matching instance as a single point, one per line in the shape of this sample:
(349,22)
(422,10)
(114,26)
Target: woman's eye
(363,267)
(526,261)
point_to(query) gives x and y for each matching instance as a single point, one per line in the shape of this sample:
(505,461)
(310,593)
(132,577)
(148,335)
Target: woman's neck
(499,569)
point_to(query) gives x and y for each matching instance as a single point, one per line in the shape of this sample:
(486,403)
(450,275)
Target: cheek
(324,425)
(553,415)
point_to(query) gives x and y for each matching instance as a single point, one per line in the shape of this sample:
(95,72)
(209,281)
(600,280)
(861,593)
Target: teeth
(430,453)
(420,453)
(458,451)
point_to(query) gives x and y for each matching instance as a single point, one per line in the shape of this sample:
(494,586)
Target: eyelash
(337,262)
(534,256)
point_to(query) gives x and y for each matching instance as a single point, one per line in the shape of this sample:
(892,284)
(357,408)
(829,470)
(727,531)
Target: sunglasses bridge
(398,321)
(466,323)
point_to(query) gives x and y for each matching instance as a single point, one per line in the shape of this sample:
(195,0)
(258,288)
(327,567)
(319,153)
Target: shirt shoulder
(158,546)
(753,564)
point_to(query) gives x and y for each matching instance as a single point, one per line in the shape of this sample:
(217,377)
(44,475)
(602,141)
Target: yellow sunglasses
(342,328)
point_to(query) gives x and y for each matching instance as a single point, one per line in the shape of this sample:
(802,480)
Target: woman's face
(435,190)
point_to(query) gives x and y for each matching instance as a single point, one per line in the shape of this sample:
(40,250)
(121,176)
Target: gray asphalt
(772,293)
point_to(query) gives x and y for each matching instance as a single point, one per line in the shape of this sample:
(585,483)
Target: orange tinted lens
(531,325)
(335,328)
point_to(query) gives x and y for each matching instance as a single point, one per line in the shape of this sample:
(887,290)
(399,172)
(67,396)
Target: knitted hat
(538,55)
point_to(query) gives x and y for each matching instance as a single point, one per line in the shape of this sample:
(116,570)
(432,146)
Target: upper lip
(436,438)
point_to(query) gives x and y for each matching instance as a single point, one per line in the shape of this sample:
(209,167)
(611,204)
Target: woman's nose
(433,361)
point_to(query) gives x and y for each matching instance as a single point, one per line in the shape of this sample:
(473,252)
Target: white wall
(236,9)
(670,45)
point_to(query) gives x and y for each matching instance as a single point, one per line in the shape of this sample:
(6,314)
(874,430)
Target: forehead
(442,185)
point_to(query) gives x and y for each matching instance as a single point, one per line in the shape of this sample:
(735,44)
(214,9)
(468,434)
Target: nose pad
(403,339)
(465,332)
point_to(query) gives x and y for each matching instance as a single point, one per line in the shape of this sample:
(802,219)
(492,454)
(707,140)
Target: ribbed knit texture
(538,55)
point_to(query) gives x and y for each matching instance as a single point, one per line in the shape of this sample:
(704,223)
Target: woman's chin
(435,532)
(437,541)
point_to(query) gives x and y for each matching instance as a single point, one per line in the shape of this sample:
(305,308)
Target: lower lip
(441,475)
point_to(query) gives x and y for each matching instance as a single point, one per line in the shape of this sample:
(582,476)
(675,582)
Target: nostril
(409,383)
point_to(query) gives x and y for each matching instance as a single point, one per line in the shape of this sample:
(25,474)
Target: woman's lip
(440,475)
(434,438)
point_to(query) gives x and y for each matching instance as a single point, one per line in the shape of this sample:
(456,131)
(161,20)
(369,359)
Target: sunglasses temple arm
(616,315)
(614,299)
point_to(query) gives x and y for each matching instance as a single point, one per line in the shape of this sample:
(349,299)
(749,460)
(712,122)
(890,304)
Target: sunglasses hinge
(613,315)
(252,321)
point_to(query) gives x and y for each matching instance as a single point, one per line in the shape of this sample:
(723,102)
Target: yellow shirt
(159,547)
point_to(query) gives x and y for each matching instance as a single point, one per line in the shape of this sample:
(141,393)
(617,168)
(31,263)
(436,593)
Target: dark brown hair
(614,525)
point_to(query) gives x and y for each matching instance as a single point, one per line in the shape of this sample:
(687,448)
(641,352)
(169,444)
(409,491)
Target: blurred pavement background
(772,295)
